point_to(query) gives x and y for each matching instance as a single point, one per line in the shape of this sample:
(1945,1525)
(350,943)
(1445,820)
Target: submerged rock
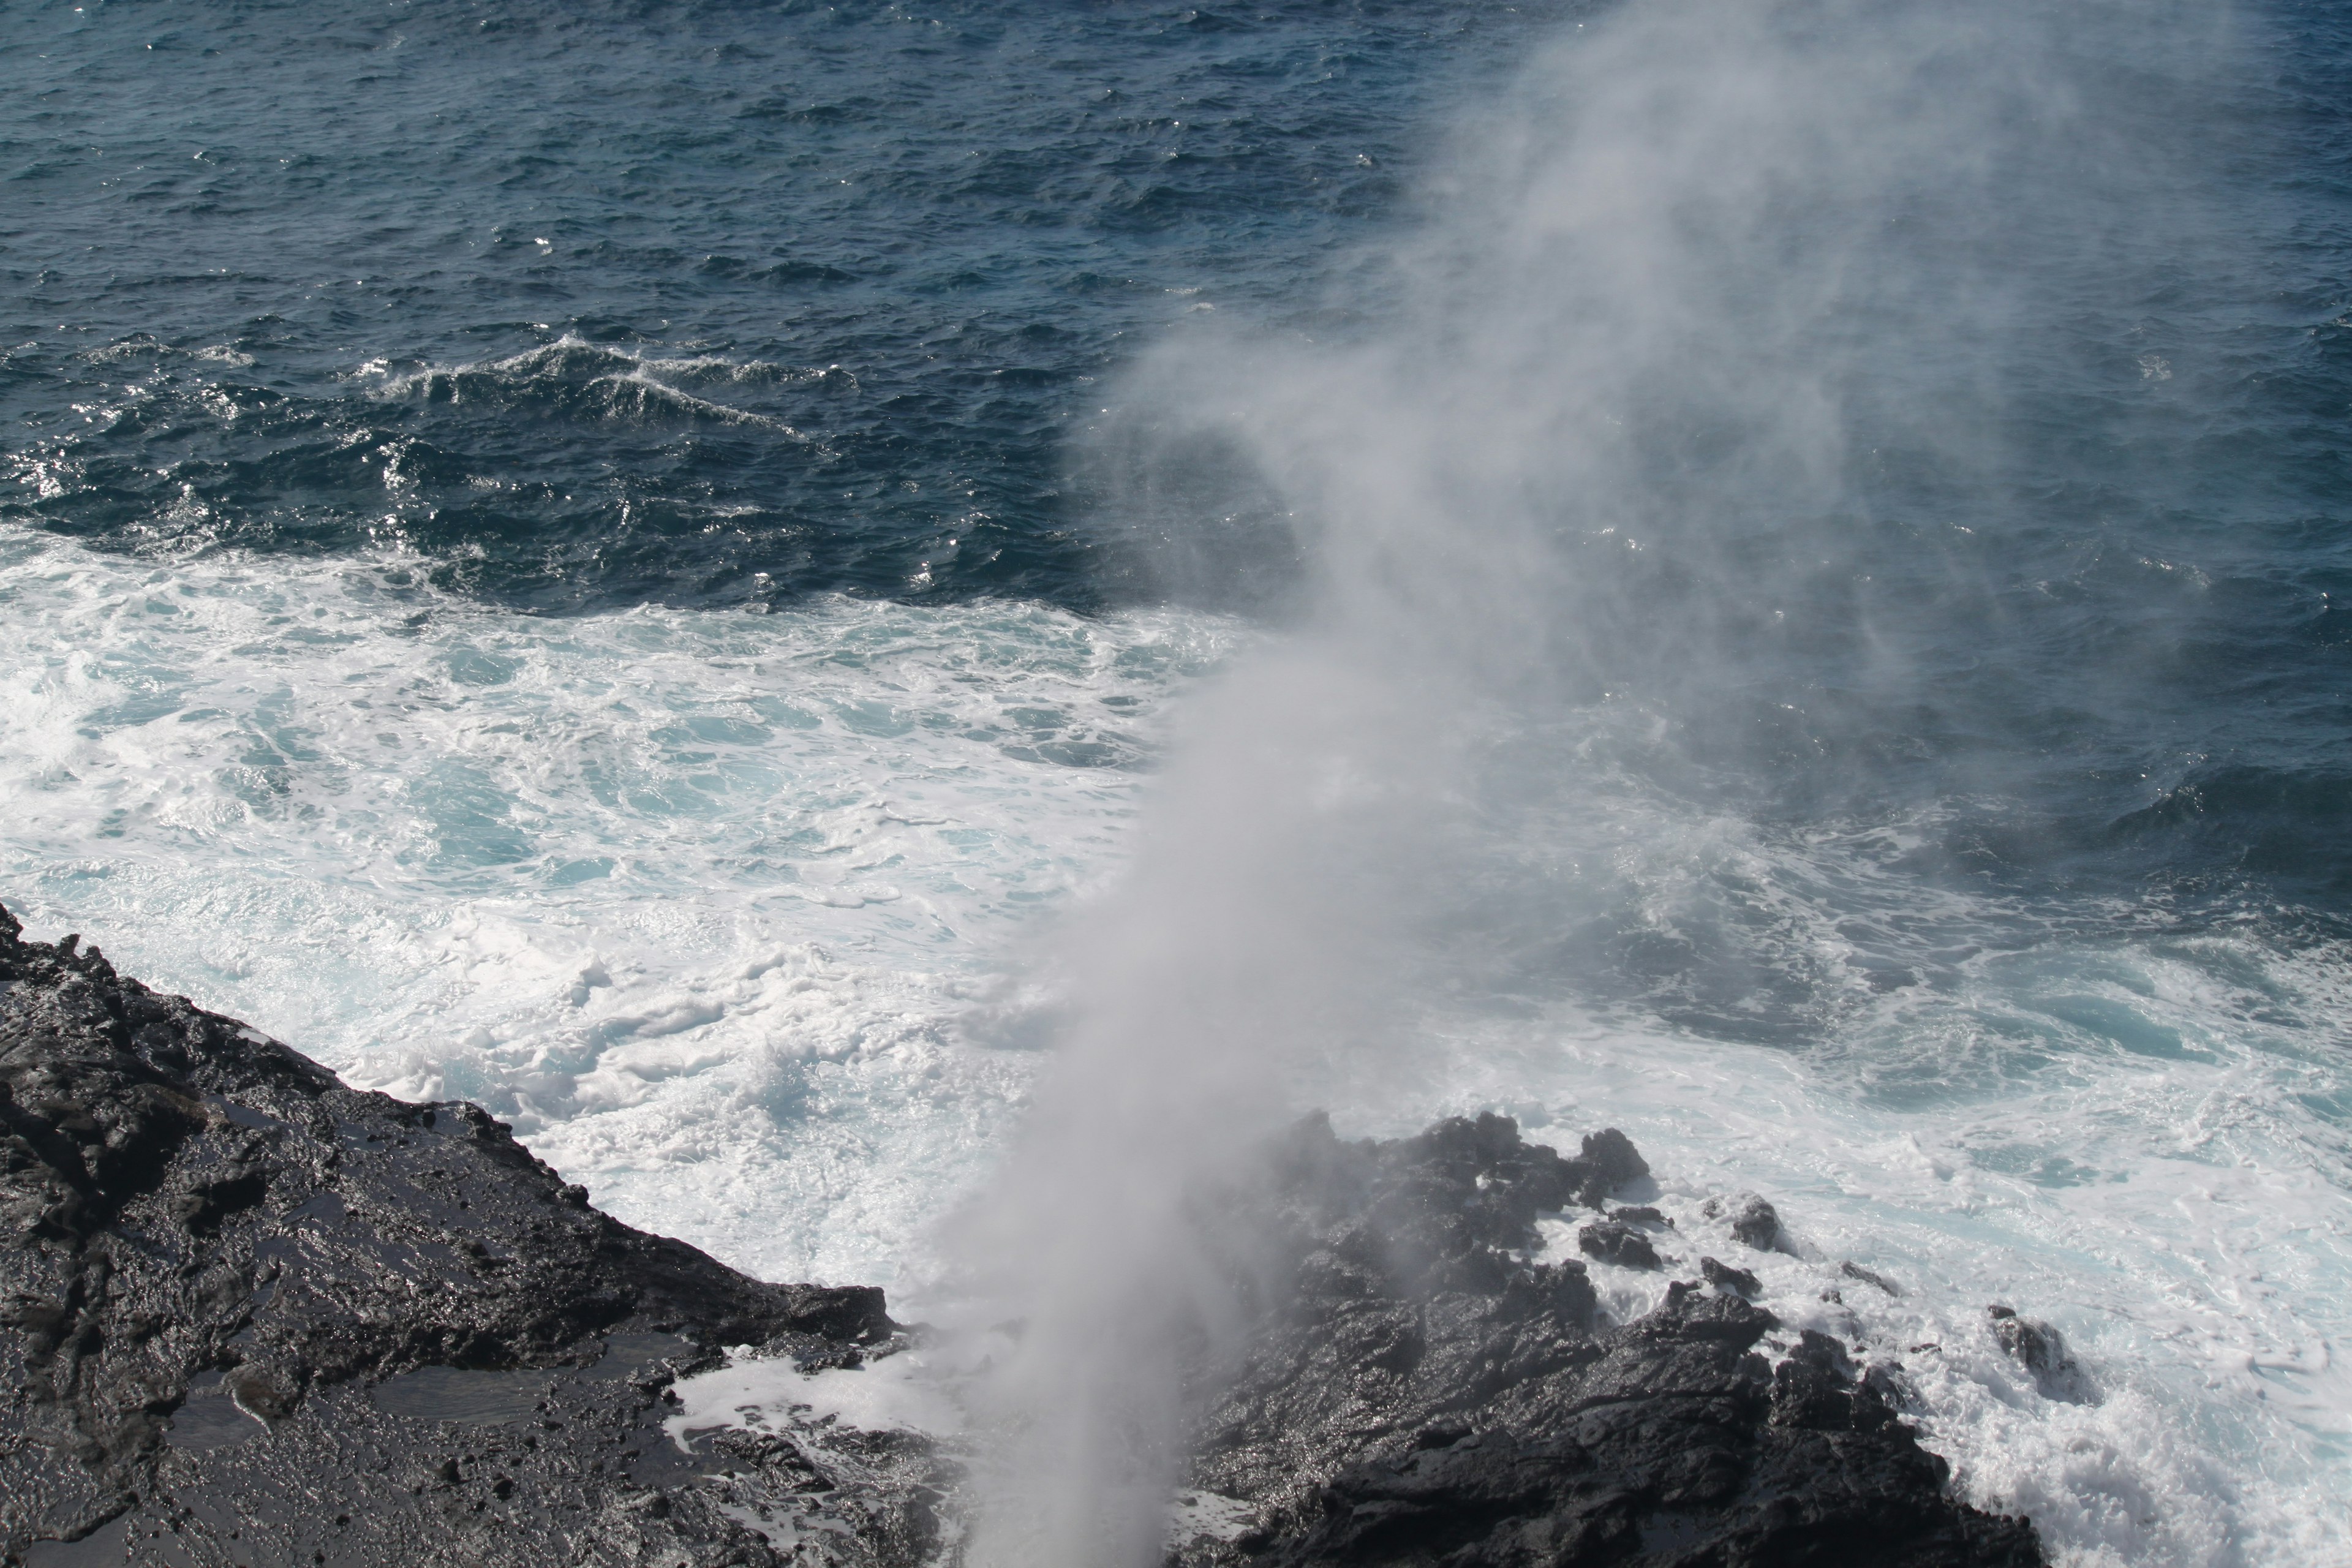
(1753,1221)
(1855,1271)
(255,1317)
(1426,1395)
(2039,1348)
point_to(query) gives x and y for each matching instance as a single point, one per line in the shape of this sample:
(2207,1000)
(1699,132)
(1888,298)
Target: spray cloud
(1623,476)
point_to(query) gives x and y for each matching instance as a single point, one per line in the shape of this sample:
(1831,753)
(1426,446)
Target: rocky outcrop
(1428,1395)
(255,1317)
(258,1317)
(2038,1348)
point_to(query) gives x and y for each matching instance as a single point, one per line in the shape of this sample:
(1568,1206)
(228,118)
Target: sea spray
(1242,946)
(1715,316)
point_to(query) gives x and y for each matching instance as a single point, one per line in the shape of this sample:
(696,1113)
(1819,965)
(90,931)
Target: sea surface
(642,565)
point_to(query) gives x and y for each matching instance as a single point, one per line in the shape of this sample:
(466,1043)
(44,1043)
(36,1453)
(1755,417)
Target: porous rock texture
(254,1317)
(1426,1397)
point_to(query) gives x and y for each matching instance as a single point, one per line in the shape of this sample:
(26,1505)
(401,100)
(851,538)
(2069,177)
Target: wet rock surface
(2039,1348)
(1754,1221)
(1732,1281)
(255,1317)
(1427,1394)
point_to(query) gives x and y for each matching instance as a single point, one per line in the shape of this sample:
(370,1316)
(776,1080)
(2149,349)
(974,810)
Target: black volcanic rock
(1724,1276)
(260,1319)
(1426,1395)
(1613,1159)
(1613,1241)
(1879,1282)
(2038,1348)
(257,1318)
(1756,1224)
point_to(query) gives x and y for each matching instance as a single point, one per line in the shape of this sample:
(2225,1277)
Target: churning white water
(711,907)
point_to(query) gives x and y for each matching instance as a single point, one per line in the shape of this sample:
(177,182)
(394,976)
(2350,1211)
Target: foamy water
(714,907)
(2133,1132)
(720,909)
(2182,1225)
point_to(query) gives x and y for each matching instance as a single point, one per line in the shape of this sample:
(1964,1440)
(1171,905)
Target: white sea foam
(903,1392)
(709,904)
(2134,1135)
(2182,1223)
(620,383)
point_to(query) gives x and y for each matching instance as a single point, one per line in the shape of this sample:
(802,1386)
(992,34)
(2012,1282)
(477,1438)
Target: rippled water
(698,304)
(581,557)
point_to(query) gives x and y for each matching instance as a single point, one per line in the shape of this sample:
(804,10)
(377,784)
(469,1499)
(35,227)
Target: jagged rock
(1853,1270)
(1755,1223)
(2038,1348)
(1424,1395)
(264,1319)
(1622,1245)
(257,1318)
(1613,1159)
(1724,1276)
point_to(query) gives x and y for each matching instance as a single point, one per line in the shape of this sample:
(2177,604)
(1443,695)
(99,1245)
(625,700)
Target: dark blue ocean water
(829,283)
(696,305)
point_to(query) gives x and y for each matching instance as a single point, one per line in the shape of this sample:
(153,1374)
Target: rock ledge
(255,1317)
(258,1319)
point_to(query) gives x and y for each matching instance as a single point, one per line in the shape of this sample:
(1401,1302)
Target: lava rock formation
(1427,1398)
(259,1318)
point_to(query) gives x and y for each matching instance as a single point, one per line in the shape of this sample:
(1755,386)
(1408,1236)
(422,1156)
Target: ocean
(794,597)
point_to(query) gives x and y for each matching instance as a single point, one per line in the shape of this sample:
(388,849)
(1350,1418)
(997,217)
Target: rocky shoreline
(1428,1394)
(256,1318)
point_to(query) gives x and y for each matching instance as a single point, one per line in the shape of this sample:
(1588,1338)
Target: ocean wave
(572,378)
(703,902)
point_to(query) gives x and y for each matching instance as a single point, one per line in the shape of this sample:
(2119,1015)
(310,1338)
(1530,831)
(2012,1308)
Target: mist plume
(1536,495)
